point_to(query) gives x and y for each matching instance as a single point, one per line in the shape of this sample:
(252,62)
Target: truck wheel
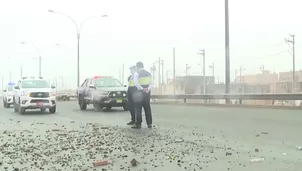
(97,107)
(52,109)
(83,105)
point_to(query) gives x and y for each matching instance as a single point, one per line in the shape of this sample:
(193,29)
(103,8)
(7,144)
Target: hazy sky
(138,30)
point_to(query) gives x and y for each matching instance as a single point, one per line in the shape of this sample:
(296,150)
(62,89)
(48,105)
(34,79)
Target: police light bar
(11,84)
(96,77)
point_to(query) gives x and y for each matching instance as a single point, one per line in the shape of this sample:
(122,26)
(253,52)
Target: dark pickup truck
(102,92)
(62,96)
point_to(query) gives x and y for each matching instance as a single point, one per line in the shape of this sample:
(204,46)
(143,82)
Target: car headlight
(104,92)
(52,94)
(124,94)
(25,93)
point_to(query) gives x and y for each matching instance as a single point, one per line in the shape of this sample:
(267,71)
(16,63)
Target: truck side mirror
(92,86)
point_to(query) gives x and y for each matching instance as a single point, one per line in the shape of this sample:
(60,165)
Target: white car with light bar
(102,92)
(34,93)
(8,95)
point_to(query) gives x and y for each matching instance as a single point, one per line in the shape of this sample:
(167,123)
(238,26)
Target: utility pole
(120,74)
(159,82)
(202,52)
(240,78)
(213,71)
(123,74)
(21,71)
(2,82)
(294,62)
(174,81)
(160,74)
(62,82)
(185,80)
(153,69)
(262,69)
(227,52)
(187,68)
(10,76)
(167,77)
(162,70)
(56,85)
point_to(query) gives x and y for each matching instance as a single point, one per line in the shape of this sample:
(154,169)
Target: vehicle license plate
(39,104)
(119,101)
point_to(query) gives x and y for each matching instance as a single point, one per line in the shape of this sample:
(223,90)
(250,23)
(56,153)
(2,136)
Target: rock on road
(184,138)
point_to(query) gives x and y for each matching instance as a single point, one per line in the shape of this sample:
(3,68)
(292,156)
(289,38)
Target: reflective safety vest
(130,81)
(144,78)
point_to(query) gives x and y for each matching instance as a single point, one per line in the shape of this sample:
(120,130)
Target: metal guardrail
(287,96)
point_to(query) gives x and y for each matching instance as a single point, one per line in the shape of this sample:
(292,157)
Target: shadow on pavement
(91,110)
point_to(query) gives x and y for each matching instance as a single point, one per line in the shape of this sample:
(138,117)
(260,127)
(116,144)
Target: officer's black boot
(137,126)
(149,125)
(131,123)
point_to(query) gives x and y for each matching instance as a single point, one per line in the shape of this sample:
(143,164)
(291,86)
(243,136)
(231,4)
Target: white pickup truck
(8,95)
(34,93)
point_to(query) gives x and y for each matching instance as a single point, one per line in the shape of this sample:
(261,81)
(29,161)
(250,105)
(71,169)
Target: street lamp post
(40,59)
(203,71)
(78,29)
(213,71)
(227,51)
(292,41)
(10,72)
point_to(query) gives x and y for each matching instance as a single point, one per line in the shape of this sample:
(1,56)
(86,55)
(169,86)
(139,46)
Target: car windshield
(9,88)
(108,82)
(35,84)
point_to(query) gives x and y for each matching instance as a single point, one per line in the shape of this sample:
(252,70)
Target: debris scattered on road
(105,127)
(256,150)
(228,153)
(101,163)
(284,154)
(256,160)
(299,147)
(178,140)
(133,162)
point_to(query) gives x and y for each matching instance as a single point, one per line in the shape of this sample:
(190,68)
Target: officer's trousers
(144,103)
(131,105)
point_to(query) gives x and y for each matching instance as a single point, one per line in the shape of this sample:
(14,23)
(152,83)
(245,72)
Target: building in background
(265,82)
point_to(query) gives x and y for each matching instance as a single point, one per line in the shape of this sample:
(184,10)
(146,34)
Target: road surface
(183,138)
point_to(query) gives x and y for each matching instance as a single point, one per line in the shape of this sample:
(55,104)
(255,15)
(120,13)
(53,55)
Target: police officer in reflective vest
(131,90)
(143,82)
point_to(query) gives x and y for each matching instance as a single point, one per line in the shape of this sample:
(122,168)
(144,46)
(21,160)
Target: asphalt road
(183,138)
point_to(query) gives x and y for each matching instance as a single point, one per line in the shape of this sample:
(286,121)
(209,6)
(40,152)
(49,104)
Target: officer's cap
(139,65)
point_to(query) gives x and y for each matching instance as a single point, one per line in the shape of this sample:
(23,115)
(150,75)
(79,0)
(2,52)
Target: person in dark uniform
(143,82)
(131,90)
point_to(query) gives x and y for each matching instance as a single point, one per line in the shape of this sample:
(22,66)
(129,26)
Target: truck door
(91,90)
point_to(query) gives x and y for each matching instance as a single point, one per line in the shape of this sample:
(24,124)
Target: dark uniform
(143,98)
(131,90)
